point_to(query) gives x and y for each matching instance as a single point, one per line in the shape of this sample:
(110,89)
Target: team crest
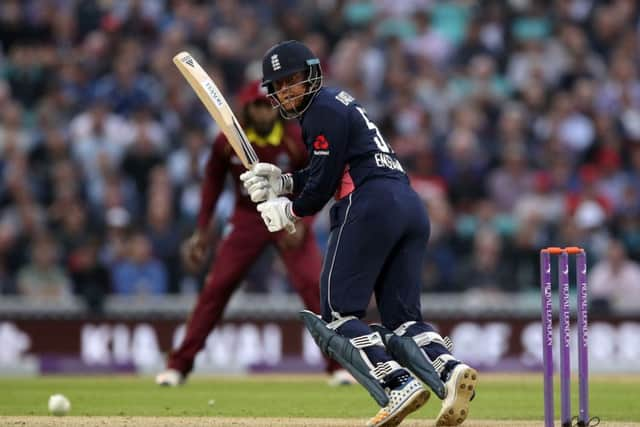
(275,62)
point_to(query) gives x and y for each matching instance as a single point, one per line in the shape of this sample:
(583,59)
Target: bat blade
(217,106)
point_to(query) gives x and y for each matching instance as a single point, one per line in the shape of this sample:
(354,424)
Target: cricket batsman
(379,232)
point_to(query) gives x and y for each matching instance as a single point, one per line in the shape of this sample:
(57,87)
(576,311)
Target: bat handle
(291,228)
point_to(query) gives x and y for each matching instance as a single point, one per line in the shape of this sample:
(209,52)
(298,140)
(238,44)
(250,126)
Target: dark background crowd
(517,120)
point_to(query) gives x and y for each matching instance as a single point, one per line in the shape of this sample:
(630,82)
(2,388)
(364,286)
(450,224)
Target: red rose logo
(321,143)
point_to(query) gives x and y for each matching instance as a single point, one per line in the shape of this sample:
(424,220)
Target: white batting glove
(263,178)
(278,214)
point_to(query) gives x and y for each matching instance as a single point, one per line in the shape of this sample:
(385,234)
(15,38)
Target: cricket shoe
(170,378)
(460,386)
(403,400)
(341,377)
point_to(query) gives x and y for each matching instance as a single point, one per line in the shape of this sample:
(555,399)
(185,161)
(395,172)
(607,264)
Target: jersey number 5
(380,142)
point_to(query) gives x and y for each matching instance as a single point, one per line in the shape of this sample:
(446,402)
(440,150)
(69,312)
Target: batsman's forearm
(299,179)
(310,203)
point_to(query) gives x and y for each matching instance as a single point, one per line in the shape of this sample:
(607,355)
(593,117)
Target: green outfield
(500,397)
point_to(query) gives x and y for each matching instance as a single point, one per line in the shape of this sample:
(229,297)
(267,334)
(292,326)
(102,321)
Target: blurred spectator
(139,160)
(428,43)
(63,190)
(481,82)
(139,273)
(476,42)
(486,269)
(99,139)
(144,125)
(74,226)
(511,180)
(164,235)
(14,137)
(114,248)
(545,202)
(441,263)
(463,167)
(533,57)
(621,86)
(615,280)
(187,162)
(118,192)
(588,205)
(52,149)
(26,72)
(7,277)
(43,278)
(12,25)
(127,88)
(90,279)
(612,182)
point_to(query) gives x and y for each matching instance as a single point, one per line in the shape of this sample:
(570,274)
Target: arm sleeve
(213,182)
(329,131)
(300,158)
(300,179)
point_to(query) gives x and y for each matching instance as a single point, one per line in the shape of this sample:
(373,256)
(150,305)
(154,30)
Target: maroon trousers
(235,255)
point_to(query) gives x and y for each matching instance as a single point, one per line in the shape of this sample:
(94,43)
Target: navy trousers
(377,244)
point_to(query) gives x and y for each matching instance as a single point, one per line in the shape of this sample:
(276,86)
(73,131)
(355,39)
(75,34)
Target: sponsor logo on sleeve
(344,97)
(321,146)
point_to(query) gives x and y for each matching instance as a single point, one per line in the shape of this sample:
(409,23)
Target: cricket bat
(219,108)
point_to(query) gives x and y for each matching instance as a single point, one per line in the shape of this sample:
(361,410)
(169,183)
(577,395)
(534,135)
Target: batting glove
(278,214)
(264,178)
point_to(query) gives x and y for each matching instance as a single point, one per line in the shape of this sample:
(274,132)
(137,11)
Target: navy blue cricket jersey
(345,150)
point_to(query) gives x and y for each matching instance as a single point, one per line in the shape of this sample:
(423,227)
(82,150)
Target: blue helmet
(286,59)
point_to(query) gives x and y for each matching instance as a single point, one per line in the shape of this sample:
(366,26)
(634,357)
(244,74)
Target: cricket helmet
(285,59)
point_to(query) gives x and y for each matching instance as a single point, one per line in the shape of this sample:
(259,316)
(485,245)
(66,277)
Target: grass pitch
(503,400)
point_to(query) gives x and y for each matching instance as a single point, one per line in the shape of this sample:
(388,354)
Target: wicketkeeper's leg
(234,257)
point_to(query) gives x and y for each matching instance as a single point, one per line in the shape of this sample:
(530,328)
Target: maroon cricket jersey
(283,147)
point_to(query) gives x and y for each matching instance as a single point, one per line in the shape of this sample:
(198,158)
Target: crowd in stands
(518,122)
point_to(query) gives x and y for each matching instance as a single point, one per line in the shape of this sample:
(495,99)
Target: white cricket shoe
(461,387)
(170,378)
(402,401)
(341,377)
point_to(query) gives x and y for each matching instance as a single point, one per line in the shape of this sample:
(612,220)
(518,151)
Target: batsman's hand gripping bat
(217,106)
